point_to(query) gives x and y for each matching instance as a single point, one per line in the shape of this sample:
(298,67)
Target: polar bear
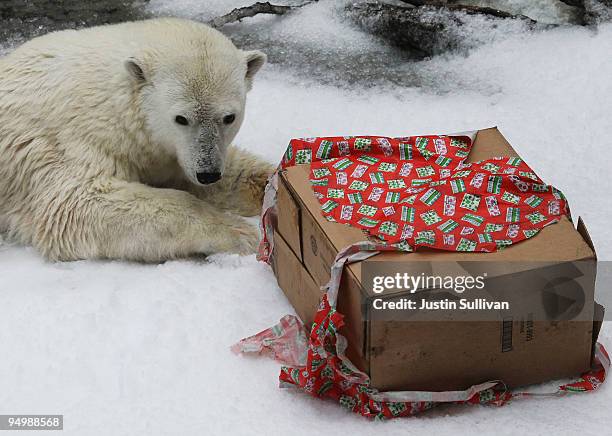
(115,143)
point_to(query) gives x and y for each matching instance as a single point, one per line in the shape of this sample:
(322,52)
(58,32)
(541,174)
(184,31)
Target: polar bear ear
(135,70)
(255,60)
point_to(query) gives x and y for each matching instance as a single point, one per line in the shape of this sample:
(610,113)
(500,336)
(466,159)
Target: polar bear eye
(229,119)
(181,120)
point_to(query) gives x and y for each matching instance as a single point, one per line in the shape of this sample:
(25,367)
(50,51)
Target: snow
(122,348)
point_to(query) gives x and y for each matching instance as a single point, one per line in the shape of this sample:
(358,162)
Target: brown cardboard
(289,221)
(437,355)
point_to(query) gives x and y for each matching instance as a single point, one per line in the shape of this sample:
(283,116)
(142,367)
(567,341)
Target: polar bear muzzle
(208,178)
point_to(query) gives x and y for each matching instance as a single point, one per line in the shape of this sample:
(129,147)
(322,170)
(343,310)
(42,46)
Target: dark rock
(424,30)
(21,20)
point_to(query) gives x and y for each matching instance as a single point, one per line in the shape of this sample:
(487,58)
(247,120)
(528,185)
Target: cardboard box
(441,355)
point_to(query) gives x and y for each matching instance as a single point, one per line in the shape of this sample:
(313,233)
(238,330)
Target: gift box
(524,346)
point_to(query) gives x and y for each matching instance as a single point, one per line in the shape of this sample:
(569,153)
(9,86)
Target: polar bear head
(192,97)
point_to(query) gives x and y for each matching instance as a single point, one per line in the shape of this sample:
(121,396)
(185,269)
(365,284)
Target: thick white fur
(92,161)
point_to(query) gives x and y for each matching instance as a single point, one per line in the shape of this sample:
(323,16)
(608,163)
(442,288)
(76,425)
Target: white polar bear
(111,139)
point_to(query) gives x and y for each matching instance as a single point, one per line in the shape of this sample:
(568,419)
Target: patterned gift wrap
(392,197)
(500,244)
(445,173)
(462,173)
(535,217)
(485,237)
(325,149)
(288,154)
(405,151)
(510,197)
(470,202)
(448,226)
(539,187)
(355,198)
(406,169)
(430,197)
(321,172)
(491,227)
(534,201)
(407,231)
(466,245)
(448,239)
(376,193)
(415,190)
(457,185)
(440,146)
(513,214)
(377,178)
(494,184)
(513,230)
(459,143)
(530,233)
(554,207)
(387,167)
(319,182)
(335,193)
(529,175)
(385,146)
(342,164)
(303,156)
(367,222)
(329,205)
(420,182)
(557,194)
(358,185)
(449,205)
(396,184)
(359,171)
(466,231)
(388,228)
(388,211)
(341,178)
(492,206)
(430,217)
(425,171)
(362,144)
(410,199)
(408,214)
(477,180)
(514,161)
(346,212)
(475,220)
(366,209)
(444,161)
(425,237)
(521,185)
(421,143)
(344,148)
(426,154)
(370,160)
(491,167)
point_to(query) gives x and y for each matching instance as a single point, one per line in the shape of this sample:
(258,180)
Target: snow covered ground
(128,349)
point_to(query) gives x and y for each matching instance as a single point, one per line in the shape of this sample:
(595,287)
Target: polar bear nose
(206,178)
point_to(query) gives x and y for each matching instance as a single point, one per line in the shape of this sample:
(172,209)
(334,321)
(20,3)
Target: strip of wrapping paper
(404,193)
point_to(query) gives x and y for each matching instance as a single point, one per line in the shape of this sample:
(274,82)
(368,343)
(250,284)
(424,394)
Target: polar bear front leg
(241,189)
(121,220)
